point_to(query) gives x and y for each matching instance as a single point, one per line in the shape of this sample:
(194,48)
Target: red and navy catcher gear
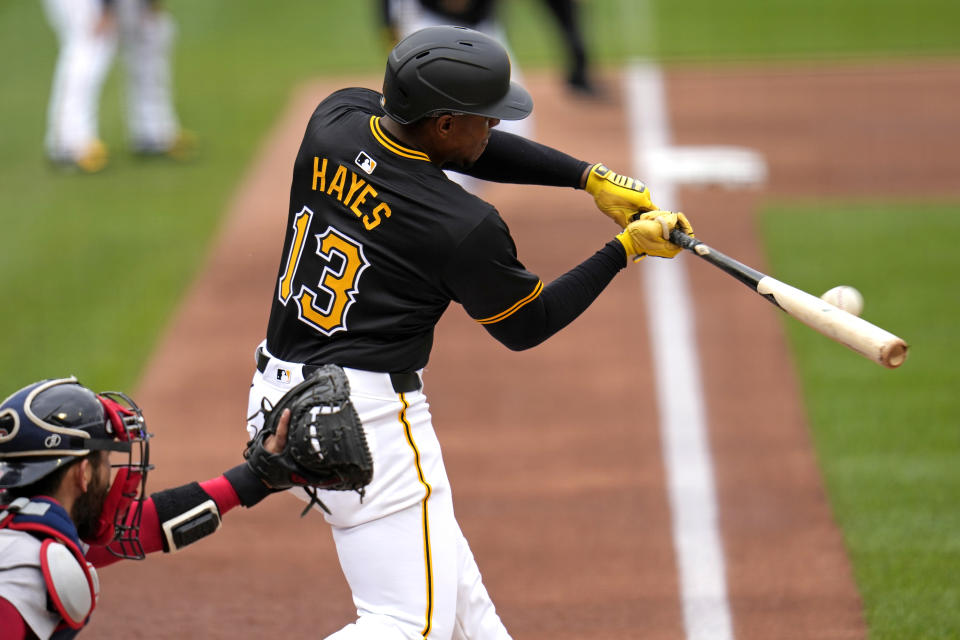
(51,423)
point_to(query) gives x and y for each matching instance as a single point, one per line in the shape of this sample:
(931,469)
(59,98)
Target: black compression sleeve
(514,159)
(561,301)
(248,486)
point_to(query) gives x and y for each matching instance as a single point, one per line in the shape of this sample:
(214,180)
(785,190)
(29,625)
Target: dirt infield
(554,454)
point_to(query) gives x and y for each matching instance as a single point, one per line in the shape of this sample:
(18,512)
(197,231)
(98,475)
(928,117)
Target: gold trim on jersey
(504,314)
(428,560)
(396,148)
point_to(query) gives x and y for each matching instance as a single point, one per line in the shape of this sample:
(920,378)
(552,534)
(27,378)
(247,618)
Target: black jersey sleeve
(513,304)
(483,273)
(515,159)
(561,301)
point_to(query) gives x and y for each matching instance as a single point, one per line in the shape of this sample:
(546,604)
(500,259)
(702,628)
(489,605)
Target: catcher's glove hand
(326,445)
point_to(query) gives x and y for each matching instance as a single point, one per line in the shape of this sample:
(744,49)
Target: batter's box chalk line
(725,166)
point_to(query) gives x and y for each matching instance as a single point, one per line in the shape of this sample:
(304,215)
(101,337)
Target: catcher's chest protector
(40,541)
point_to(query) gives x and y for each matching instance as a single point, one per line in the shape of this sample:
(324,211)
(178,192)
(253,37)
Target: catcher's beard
(87,507)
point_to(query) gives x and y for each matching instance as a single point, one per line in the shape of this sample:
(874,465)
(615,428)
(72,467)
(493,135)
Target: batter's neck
(411,135)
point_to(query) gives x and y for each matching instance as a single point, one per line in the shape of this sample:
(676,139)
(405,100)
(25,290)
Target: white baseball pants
(408,565)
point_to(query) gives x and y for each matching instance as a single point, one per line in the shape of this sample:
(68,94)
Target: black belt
(402,382)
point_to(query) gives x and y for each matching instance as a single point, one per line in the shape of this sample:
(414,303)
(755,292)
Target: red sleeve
(11,622)
(222,493)
(151,535)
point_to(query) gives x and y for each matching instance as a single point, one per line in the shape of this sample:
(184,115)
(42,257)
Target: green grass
(888,440)
(744,29)
(807,28)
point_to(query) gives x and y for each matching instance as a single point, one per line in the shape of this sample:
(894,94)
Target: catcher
(61,517)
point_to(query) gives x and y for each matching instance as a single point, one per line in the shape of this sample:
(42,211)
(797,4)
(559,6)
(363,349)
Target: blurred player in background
(579,77)
(61,516)
(88,32)
(403,17)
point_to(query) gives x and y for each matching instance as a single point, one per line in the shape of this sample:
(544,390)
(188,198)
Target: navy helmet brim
(20,473)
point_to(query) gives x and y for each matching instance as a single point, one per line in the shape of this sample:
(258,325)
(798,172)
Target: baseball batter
(379,242)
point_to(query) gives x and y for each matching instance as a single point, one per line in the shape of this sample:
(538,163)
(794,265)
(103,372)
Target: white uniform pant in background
(86,53)
(146,38)
(408,565)
(82,64)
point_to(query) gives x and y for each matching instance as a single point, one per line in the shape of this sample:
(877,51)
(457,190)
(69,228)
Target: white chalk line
(683,422)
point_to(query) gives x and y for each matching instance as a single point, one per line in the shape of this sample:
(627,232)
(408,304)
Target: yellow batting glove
(668,221)
(619,197)
(650,234)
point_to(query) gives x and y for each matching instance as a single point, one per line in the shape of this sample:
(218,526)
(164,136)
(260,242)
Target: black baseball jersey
(379,241)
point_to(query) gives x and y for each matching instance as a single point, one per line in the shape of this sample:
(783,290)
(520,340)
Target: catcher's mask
(51,423)
(451,69)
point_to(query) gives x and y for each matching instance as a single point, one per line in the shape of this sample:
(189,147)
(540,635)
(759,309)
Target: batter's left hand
(619,197)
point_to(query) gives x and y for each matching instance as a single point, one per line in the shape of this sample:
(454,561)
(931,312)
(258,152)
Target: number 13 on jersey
(338,285)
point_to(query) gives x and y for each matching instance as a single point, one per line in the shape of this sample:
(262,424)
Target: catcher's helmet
(51,423)
(444,69)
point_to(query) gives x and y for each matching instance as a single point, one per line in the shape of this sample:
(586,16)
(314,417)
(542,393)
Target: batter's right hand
(650,234)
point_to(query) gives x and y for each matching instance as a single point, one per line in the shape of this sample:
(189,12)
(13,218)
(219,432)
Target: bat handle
(682,240)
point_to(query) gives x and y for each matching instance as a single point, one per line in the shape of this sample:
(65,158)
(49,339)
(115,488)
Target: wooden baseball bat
(867,339)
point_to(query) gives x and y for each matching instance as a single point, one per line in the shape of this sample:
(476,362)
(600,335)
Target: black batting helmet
(446,68)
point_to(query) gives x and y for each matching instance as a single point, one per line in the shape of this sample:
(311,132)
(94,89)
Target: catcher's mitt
(326,445)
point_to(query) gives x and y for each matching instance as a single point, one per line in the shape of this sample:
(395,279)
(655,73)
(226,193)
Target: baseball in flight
(845,297)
